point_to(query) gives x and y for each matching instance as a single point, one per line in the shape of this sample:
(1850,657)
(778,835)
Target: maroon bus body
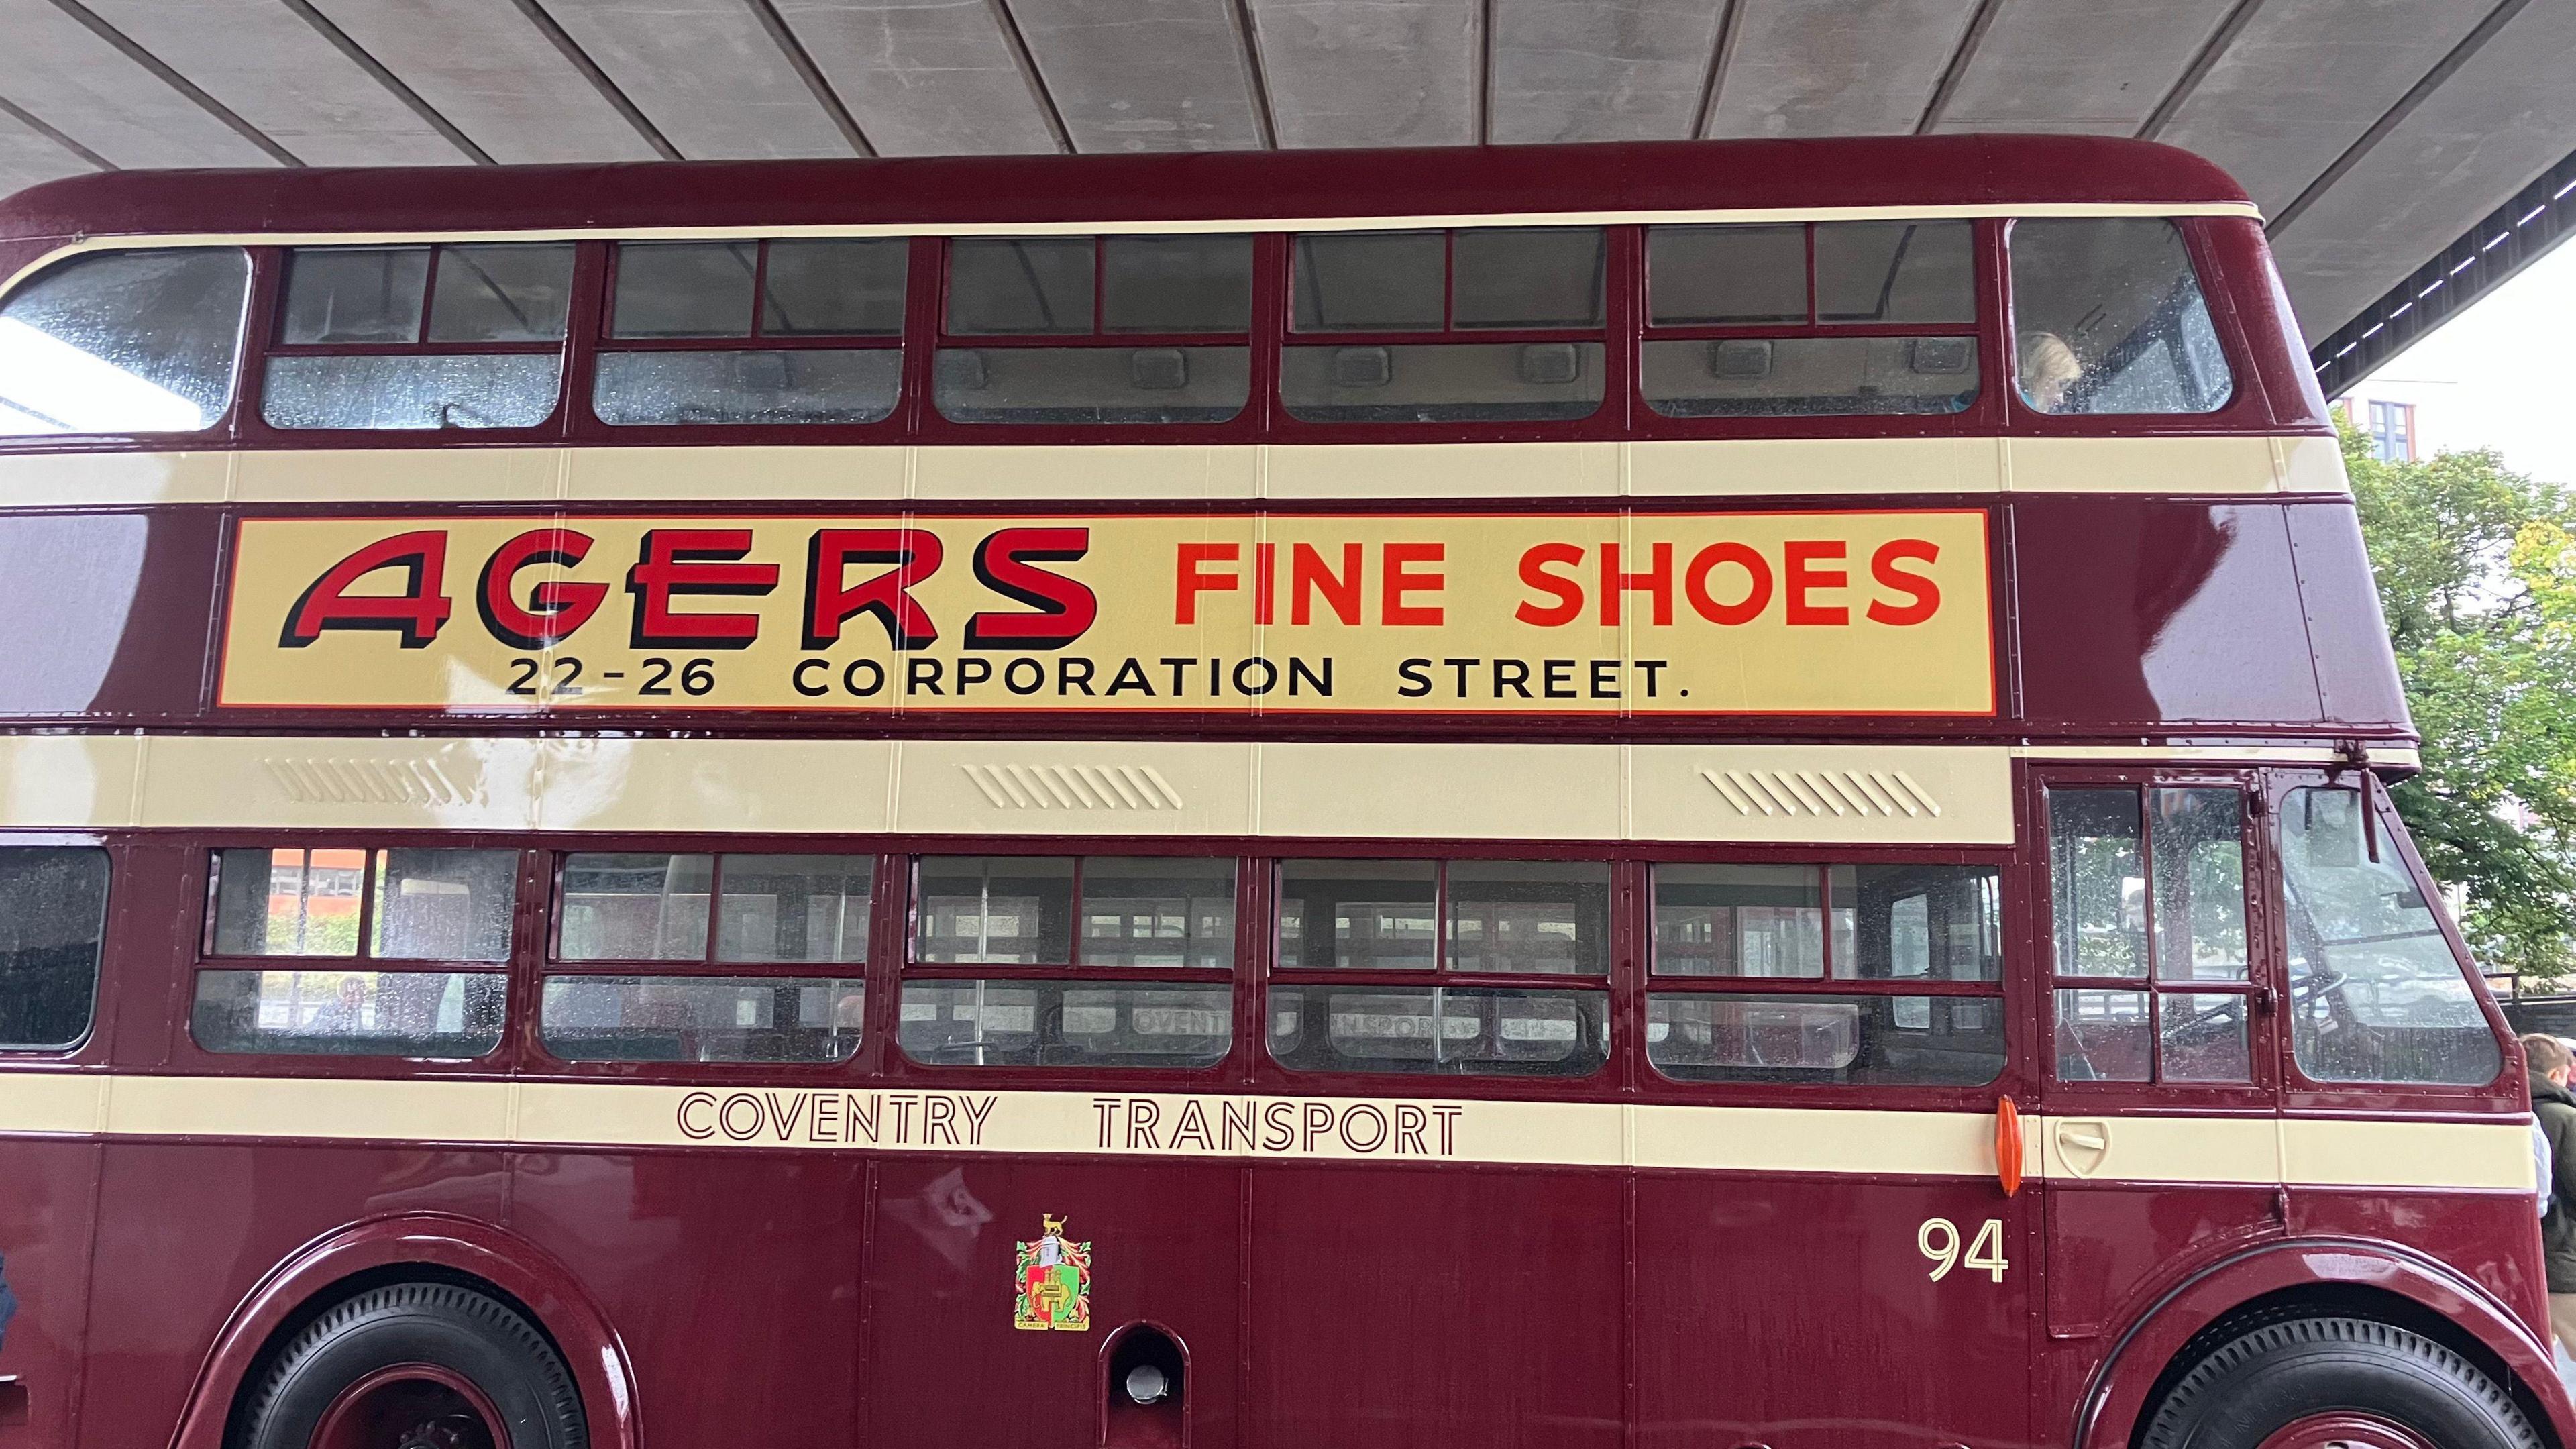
(797,1297)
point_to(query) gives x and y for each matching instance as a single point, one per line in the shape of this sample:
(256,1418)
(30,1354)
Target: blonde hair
(2049,367)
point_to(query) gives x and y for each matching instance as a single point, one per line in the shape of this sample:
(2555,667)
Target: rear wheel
(417,1366)
(2336,1383)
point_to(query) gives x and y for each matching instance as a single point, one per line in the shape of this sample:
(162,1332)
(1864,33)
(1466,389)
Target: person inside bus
(2049,370)
(2553,1106)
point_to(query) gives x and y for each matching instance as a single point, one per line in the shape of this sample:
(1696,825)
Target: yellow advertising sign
(1524,613)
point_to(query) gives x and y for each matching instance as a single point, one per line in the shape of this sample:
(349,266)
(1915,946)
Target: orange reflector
(2008,1145)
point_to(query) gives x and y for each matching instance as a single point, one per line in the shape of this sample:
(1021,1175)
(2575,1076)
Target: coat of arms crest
(1054,1281)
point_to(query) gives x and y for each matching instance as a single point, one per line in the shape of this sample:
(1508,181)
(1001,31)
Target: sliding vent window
(2376,994)
(1079,330)
(1488,325)
(1811,320)
(352,952)
(753,332)
(2148,934)
(1914,954)
(123,343)
(467,336)
(2108,317)
(53,918)
(675,957)
(1424,966)
(1057,961)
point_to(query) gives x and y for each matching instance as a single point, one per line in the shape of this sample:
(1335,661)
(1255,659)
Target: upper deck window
(467,336)
(1120,329)
(2109,318)
(1398,301)
(664,956)
(753,332)
(354,952)
(124,342)
(1058,961)
(53,917)
(1436,966)
(1810,320)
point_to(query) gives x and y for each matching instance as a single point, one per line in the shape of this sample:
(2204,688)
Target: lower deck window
(53,916)
(1002,1023)
(703,1018)
(1454,1030)
(1857,1040)
(350,1013)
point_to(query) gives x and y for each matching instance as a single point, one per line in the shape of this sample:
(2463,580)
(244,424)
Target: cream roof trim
(1684,217)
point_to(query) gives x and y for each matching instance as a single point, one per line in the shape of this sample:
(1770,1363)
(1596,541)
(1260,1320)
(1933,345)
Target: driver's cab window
(2148,935)
(2376,994)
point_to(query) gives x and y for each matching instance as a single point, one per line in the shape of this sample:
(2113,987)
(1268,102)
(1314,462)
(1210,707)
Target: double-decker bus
(1669,795)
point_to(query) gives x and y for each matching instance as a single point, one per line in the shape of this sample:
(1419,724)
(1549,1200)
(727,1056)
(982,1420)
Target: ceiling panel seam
(1721,54)
(1249,36)
(1483,15)
(2422,91)
(1960,59)
(1029,72)
(608,89)
(2230,27)
(126,46)
(41,127)
(801,61)
(376,70)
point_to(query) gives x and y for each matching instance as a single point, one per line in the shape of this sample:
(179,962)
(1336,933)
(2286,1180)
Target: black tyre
(416,1366)
(2310,1383)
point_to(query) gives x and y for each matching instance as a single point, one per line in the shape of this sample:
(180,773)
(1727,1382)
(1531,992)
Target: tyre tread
(562,1395)
(2291,1330)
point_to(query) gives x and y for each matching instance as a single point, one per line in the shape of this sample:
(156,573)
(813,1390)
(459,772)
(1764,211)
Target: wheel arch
(415,1248)
(2324,1276)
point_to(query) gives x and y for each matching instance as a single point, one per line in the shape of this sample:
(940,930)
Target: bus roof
(1998,171)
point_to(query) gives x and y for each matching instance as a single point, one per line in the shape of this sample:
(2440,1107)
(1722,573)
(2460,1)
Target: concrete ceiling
(2373,132)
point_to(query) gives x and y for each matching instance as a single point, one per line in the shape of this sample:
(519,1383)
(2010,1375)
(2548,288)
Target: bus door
(1826,1256)
(2159,1122)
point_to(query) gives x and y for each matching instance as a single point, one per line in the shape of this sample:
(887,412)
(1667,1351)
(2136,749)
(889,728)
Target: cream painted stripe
(1857,469)
(1257,789)
(1669,217)
(1943,795)
(2320,1153)
(2408,1154)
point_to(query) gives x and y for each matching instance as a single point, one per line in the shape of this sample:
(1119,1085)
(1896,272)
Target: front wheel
(417,1366)
(2336,1383)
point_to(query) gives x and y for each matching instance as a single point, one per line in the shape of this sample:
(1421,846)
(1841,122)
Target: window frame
(93,1040)
(1440,855)
(903,969)
(584,303)
(247,333)
(927,336)
(547,962)
(2248,408)
(198,883)
(1620,259)
(1824,860)
(2259,989)
(2300,1091)
(599,340)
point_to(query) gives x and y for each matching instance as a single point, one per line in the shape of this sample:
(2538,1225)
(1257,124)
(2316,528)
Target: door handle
(2083,1144)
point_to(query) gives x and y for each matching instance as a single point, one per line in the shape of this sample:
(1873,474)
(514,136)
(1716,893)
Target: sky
(2499,375)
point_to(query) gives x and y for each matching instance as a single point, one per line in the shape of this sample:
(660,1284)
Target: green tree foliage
(2477,574)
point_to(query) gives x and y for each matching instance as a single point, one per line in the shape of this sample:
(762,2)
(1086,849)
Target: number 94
(1938,1241)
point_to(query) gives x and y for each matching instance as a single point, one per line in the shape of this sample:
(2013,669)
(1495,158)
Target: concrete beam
(509,89)
(924,77)
(1836,67)
(2093,69)
(60,70)
(1143,75)
(279,74)
(707,74)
